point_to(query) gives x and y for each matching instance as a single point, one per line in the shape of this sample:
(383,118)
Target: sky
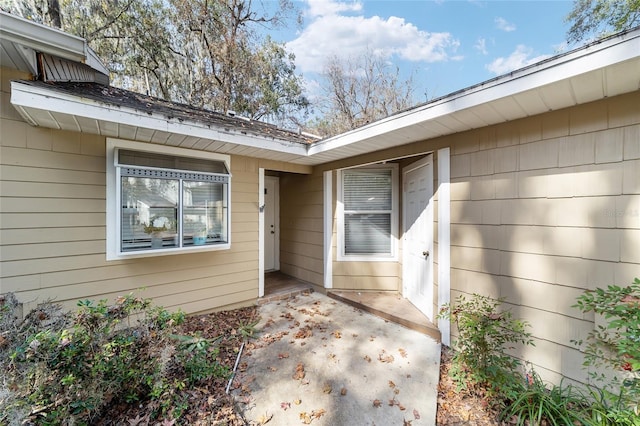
(447,45)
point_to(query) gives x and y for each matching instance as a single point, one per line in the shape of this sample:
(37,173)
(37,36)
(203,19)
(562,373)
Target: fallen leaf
(343,391)
(337,334)
(406,422)
(377,403)
(391,384)
(385,358)
(416,414)
(283,355)
(264,419)
(299,374)
(403,353)
(367,358)
(327,388)
(401,407)
(306,419)
(297,401)
(318,413)
(285,405)
(273,369)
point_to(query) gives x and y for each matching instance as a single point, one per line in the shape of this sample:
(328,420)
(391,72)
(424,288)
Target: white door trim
(260,232)
(405,259)
(328,228)
(444,240)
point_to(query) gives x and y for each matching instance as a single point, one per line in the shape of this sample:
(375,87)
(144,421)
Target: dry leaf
(377,403)
(401,407)
(391,384)
(297,401)
(367,358)
(283,355)
(403,353)
(316,414)
(327,388)
(306,419)
(343,391)
(285,405)
(264,419)
(337,334)
(385,358)
(299,374)
(406,422)
(416,414)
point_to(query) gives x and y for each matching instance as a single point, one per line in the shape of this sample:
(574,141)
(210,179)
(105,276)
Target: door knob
(425,253)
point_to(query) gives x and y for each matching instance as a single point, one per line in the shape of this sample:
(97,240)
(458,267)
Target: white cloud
(330,7)
(332,33)
(503,25)
(521,57)
(481,46)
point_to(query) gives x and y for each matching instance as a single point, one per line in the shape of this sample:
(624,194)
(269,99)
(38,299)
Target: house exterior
(525,187)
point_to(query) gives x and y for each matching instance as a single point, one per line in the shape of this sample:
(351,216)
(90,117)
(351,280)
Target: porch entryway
(279,286)
(390,306)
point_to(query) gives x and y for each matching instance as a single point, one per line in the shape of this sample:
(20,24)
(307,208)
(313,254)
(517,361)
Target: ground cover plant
(102,363)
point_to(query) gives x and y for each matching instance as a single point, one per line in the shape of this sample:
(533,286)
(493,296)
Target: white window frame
(113,251)
(373,257)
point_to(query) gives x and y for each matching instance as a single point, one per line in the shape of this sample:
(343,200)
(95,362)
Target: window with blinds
(166,202)
(368,217)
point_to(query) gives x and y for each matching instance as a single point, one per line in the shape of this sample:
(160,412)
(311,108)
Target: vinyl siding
(543,208)
(52,228)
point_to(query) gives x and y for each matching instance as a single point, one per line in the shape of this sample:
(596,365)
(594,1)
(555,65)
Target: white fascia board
(42,38)
(564,67)
(27,96)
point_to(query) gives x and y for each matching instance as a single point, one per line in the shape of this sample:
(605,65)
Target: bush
(615,346)
(485,336)
(64,368)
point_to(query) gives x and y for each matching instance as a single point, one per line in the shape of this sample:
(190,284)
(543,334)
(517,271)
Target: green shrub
(616,347)
(536,404)
(485,334)
(64,368)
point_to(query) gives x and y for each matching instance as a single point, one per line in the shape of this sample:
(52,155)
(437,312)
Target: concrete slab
(322,362)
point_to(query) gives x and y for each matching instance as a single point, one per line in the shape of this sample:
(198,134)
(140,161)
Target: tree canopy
(599,18)
(208,53)
(360,90)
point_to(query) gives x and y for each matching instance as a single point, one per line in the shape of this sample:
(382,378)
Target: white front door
(417,245)
(271,223)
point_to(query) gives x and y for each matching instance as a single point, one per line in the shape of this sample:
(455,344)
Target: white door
(417,246)
(271,224)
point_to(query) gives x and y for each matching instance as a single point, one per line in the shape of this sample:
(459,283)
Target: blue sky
(448,45)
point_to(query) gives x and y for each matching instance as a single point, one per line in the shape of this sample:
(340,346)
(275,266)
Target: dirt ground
(209,404)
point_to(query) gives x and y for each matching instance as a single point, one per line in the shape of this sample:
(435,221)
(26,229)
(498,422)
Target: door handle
(425,253)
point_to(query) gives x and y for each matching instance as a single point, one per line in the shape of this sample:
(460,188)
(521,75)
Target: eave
(607,68)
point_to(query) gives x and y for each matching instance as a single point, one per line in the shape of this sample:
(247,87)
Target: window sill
(367,258)
(166,252)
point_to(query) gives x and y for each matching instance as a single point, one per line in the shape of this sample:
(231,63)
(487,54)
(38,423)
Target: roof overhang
(21,38)
(608,68)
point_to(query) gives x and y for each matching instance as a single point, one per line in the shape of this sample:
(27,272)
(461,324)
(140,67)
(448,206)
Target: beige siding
(52,228)
(544,208)
(301,227)
(541,209)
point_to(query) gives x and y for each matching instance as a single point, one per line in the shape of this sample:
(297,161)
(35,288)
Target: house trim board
(444,240)
(260,232)
(328,228)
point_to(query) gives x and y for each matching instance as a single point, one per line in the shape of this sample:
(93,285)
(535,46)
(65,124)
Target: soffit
(604,69)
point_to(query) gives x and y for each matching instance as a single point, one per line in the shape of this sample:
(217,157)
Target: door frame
(430,217)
